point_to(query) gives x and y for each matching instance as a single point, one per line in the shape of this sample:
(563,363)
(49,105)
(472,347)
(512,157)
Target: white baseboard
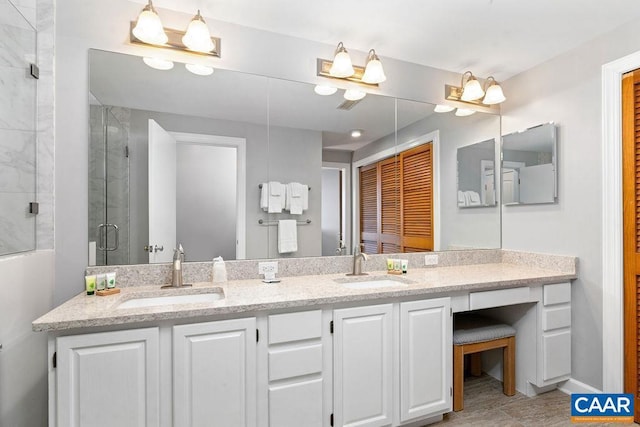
(575,386)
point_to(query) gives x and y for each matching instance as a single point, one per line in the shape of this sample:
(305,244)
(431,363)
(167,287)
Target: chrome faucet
(358,258)
(176,271)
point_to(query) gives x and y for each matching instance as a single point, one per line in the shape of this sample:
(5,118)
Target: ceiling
(491,37)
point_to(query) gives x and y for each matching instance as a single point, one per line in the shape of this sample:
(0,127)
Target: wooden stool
(472,335)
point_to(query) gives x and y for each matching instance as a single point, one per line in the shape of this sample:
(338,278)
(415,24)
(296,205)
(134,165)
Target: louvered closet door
(416,200)
(389,207)
(369,208)
(631,224)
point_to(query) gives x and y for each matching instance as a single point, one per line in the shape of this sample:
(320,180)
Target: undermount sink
(366,282)
(155,300)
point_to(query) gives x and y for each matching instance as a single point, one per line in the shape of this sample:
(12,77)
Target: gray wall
(469,170)
(553,92)
(206,192)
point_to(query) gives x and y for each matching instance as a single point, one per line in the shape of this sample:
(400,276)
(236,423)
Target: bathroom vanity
(314,350)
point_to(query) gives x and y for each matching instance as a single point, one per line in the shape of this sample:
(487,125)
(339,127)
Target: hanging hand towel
(276,197)
(287,236)
(264,197)
(296,205)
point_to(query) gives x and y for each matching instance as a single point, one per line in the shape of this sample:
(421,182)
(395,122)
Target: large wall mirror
(216,162)
(529,166)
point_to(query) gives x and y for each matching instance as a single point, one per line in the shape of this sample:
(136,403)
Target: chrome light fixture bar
(471,92)
(174,41)
(341,68)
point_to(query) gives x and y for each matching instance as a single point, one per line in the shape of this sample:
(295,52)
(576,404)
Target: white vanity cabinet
(108,379)
(392,362)
(214,374)
(554,335)
(363,366)
(425,358)
(294,369)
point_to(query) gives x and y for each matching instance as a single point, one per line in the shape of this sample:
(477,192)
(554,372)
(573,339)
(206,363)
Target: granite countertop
(84,311)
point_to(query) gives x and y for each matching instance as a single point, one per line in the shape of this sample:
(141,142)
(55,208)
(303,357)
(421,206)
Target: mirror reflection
(218,162)
(476,183)
(529,169)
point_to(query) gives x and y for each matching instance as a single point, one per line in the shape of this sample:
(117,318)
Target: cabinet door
(363,366)
(425,358)
(108,379)
(214,374)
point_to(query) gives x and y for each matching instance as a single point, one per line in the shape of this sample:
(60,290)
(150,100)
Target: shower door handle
(103,229)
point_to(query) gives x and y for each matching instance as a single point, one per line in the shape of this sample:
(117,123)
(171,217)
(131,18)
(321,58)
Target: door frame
(240,144)
(434,139)
(612,232)
(346,200)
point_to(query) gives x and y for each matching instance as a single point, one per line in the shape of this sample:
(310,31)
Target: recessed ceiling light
(325,90)
(157,63)
(201,70)
(356,133)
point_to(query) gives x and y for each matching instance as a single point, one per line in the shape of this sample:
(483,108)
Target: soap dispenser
(219,270)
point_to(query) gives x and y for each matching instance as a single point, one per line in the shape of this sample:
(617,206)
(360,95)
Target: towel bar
(260,186)
(268,222)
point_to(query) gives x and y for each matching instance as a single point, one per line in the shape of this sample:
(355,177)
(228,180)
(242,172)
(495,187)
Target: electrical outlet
(431,259)
(268,267)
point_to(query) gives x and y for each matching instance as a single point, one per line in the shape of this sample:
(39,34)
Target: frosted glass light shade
(354,95)
(325,90)
(342,66)
(373,73)
(463,112)
(149,27)
(494,95)
(197,36)
(158,63)
(472,90)
(201,70)
(443,108)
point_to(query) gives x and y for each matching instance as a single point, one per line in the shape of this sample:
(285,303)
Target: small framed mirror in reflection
(476,182)
(529,166)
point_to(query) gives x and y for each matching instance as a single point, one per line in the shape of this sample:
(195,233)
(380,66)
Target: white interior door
(162,194)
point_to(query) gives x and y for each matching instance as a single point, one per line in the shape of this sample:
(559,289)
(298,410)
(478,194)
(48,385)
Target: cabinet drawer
(295,405)
(556,355)
(557,317)
(289,327)
(557,294)
(497,298)
(293,362)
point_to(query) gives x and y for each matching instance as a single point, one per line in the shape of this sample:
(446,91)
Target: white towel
(473,198)
(297,198)
(287,236)
(272,198)
(462,200)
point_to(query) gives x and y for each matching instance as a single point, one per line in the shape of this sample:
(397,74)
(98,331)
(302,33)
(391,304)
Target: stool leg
(458,378)
(475,365)
(509,367)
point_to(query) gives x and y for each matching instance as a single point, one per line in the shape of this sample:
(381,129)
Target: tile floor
(485,405)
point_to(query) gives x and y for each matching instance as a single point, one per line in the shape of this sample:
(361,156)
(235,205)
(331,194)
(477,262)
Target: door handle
(154,248)
(103,229)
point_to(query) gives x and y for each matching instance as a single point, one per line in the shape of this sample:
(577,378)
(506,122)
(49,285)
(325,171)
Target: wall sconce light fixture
(148,30)
(342,68)
(472,92)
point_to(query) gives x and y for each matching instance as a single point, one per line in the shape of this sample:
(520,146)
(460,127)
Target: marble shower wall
(45,18)
(17,130)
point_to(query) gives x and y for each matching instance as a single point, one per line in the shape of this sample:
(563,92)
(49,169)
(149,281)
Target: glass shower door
(109,187)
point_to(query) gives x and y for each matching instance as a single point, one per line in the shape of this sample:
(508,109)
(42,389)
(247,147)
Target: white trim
(346,200)
(612,263)
(574,386)
(241,199)
(432,137)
